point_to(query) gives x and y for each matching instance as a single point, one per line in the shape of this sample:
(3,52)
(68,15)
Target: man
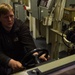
(15,39)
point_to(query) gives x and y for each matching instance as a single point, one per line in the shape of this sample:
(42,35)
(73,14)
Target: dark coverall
(14,44)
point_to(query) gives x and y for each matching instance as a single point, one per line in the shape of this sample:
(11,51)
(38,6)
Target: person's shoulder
(16,20)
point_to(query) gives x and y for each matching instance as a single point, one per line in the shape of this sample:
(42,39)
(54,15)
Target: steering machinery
(31,60)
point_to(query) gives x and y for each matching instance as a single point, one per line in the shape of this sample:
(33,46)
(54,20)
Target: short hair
(4,8)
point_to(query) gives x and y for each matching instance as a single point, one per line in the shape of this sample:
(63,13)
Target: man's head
(6,16)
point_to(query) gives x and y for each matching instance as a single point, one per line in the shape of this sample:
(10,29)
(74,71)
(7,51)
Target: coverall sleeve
(26,38)
(3,58)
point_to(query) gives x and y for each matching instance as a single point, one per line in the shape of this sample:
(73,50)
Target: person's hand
(42,56)
(15,65)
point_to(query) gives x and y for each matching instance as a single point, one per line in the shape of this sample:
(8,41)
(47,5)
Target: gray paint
(5,1)
(70,2)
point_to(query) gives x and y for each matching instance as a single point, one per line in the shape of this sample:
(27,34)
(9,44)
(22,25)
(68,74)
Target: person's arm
(4,59)
(25,37)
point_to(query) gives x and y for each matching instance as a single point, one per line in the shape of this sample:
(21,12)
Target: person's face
(7,20)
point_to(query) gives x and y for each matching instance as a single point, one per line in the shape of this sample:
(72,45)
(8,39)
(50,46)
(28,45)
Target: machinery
(42,13)
(42,8)
(64,66)
(31,60)
(20,11)
(45,8)
(69,38)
